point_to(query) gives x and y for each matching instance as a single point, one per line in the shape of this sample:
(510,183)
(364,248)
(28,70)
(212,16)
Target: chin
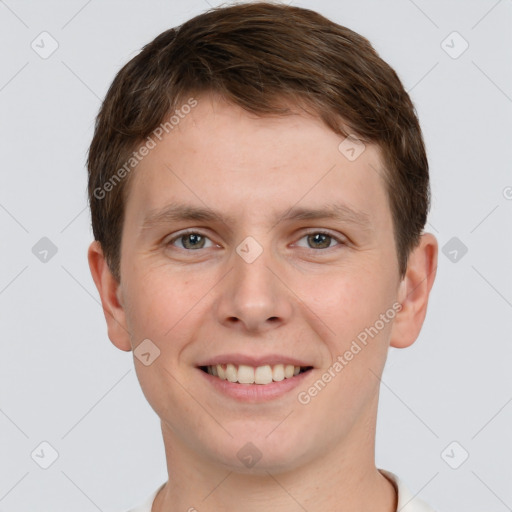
(262,451)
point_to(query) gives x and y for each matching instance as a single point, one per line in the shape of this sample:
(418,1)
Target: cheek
(357,341)
(351,307)
(347,301)
(161,310)
(159,302)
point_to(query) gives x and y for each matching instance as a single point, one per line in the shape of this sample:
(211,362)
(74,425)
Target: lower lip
(255,392)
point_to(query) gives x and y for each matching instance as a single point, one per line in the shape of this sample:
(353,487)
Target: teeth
(244,374)
(231,373)
(263,375)
(278,372)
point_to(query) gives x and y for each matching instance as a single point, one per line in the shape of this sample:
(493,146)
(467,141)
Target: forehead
(219,156)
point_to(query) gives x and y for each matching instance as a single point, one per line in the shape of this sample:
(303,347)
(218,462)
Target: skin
(297,298)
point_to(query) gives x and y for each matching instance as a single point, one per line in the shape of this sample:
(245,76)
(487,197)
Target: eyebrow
(177,212)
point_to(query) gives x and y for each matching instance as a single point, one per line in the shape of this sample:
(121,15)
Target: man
(259,187)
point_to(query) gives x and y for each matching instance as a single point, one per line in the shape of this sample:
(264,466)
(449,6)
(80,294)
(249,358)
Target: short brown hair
(256,55)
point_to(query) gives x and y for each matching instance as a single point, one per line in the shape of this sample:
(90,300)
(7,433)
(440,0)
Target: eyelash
(315,232)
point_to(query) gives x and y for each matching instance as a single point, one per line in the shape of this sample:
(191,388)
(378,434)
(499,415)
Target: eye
(190,240)
(194,240)
(321,240)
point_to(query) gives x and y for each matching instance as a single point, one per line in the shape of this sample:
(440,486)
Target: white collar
(407,501)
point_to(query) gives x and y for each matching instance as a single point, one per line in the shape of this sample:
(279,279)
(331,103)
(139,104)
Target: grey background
(63,382)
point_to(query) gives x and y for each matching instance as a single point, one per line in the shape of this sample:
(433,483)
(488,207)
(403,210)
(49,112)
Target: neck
(344,479)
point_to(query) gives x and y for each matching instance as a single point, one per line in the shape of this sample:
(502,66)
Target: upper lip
(238,359)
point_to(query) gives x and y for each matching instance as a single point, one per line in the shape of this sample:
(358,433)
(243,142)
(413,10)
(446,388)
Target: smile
(244,374)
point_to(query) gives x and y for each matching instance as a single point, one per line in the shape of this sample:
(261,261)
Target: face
(293,263)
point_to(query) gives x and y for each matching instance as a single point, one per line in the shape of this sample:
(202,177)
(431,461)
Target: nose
(254,296)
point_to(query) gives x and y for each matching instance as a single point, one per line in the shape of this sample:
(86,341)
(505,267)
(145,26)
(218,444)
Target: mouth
(261,375)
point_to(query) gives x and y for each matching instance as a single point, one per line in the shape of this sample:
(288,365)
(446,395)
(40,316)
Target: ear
(414,292)
(110,293)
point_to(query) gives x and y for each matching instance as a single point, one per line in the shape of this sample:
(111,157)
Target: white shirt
(406,500)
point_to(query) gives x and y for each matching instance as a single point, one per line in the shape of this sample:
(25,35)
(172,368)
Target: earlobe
(110,294)
(414,292)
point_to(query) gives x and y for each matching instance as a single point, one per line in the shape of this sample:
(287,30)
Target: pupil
(316,239)
(192,240)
